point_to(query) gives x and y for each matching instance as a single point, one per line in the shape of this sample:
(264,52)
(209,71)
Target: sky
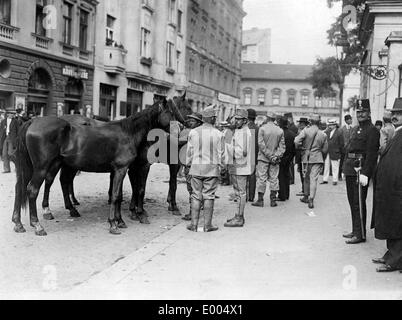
(298,27)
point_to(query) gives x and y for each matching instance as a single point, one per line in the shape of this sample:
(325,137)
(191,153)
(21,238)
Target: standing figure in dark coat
(6,141)
(293,128)
(252,179)
(387,204)
(286,161)
(363,147)
(303,122)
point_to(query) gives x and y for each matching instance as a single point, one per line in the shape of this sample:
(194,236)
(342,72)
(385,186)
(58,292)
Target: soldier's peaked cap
(363,105)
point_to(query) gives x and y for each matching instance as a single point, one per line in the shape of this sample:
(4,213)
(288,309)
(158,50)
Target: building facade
(381,35)
(284,88)
(140,54)
(47,55)
(256,46)
(213,53)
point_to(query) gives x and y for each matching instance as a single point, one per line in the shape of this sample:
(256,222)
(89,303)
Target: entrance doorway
(107,101)
(134,102)
(73,96)
(39,85)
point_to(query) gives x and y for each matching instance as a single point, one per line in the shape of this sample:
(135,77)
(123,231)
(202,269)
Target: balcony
(42,41)
(115,60)
(7,32)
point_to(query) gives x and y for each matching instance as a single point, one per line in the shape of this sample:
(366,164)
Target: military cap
(252,114)
(271,115)
(348,117)
(209,112)
(397,105)
(363,105)
(303,120)
(197,116)
(241,114)
(315,117)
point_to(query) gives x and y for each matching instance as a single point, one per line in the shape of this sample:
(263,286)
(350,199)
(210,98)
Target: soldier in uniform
(194,121)
(362,151)
(206,156)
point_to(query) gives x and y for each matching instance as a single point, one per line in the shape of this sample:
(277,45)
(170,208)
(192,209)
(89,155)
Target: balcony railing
(41,41)
(114,59)
(7,31)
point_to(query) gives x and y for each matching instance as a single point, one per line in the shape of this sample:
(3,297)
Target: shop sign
(227,99)
(147,87)
(75,72)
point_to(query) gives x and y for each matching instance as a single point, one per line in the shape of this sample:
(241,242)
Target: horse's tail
(23,165)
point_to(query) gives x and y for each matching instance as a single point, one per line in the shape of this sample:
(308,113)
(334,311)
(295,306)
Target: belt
(356,156)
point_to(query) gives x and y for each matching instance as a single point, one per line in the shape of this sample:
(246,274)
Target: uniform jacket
(240,152)
(271,142)
(3,128)
(319,148)
(290,147)
(387,204)
(254,129)
(365,140)
(335,144)
(346,134)
(386,134)
(205,151)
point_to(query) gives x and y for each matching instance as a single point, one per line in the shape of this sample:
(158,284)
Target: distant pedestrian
(346,130)
(378,125)
(240,150)
(293,128)
(252,179)
(387,212)
(335,150)
(314,144)
(6,140)
(271,143)
(206,156)
(361,152)
(387,132)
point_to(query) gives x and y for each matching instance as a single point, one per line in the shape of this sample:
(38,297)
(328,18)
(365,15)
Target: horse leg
(173,170)
(50,176)
(134,191)
(18,200)
(66,179)
(142,182)
(121,224)
(110,187)
(72,195)
(114,208)
(33,191)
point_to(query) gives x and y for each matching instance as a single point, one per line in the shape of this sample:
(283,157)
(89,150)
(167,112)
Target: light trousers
(334,164)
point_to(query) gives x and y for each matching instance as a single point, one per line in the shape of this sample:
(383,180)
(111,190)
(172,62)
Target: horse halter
(176,109)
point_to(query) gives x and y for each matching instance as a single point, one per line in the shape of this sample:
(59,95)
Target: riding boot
(260,201)
(208,212)
(238,220)
(195,215)
(273,199)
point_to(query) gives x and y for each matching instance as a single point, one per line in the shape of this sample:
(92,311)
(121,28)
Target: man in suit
(362,151)
(252,179)
(335,149)
(293,128)
(6,140)
(388,197)
(314,145)
(286,161)
(303,123)
(346,130)
(271,143)
(387,132)
(206,156)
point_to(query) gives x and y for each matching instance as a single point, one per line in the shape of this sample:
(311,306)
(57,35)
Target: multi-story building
(381,35)
(140,56)
(284,88)
(256,46)
(213,53)
(46,55)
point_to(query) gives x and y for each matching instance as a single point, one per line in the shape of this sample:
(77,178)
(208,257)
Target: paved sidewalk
(286,252)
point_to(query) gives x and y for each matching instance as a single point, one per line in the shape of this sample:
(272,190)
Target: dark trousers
(393,257)
(341,166)
(8,149)
(292,172)
(352,189)
(251,186)
(284,182)
(300,170)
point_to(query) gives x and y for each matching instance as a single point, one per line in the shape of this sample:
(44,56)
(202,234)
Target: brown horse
(48,143)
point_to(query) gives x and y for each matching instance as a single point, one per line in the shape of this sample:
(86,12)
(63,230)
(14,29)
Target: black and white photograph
(226,151)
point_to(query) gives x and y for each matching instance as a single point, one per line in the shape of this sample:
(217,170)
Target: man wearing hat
(346,130)
(206,158)
(387,214)
(303,123)
(252,179)
(387,132)
(293,128)
(271,143)
(194,121)
(314,145)
(335,149)
(361,152)
(6,140)
(240,152)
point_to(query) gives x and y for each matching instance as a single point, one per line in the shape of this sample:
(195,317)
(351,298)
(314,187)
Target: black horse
(46,144)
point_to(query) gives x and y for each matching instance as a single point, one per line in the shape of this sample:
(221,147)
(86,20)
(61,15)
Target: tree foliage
(325,76)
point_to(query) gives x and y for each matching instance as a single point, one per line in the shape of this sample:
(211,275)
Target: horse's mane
(144,119)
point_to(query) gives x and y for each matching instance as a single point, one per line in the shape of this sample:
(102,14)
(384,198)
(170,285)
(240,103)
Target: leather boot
(238,220)
(260,201)
(304,199)
(273,199)
(187,217)
(311,203)
(195,215)
(208,212)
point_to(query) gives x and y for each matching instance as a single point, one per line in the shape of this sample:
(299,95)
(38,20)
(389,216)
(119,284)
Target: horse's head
(181,108)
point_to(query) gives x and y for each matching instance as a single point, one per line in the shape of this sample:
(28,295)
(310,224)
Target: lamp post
(340,56)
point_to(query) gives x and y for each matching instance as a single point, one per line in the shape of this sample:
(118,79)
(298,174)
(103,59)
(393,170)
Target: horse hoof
(74,214)
(41,233)
(122,225)
(76,203)
(115,231)
(144,219)
(48,216)
(134,217)
(19,229)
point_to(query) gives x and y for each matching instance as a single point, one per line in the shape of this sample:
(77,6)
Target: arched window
(291,97)
(276,96)
(247,92)
(318,102)
(261,96)
(305,96)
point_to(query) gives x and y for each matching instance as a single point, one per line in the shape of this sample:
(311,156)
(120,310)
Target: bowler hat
(241,114)
(363,105)
(209,112)
(303,120)
(397,105)
(197,116)
(252,114)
